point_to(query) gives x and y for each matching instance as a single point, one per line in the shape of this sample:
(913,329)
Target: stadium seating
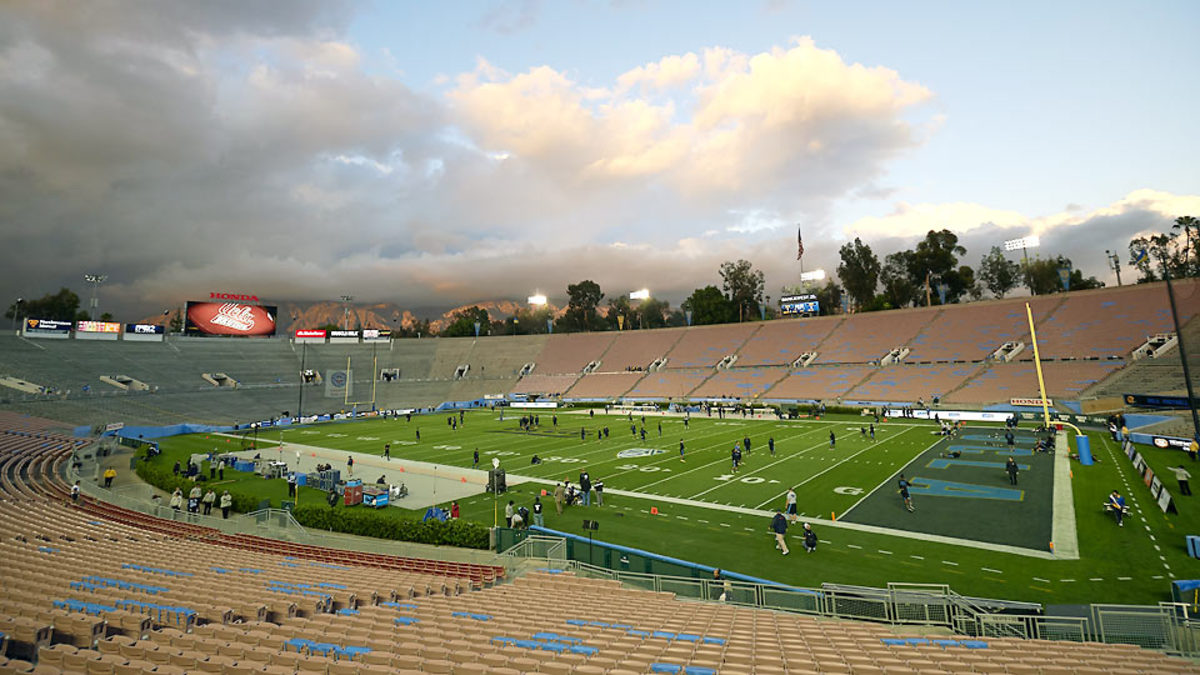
(572,353)
(706,346)
(637,349)
(537,383)
(818,383)
(1004,381)
(779,343)
(864,338)
(668,384)
(604,385)
(1110,323)
(740,383)
(972,332)
(909,383)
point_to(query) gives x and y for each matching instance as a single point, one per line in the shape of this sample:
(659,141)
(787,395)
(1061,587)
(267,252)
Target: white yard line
(889,478)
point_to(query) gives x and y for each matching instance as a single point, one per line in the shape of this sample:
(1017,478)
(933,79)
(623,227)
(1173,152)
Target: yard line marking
(1156,547)
(701,520)
(1044,581)
(1157,576)
(1096,579)
(1152,537)
(1067,581)
(988,569)
(889,478)
(947,562)
(884,552)
(854,546)
(748,529)
(1124,578)
(916,557)
(682,517)
(724,524)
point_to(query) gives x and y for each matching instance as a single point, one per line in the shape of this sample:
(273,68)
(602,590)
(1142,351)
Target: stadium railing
(1167,627)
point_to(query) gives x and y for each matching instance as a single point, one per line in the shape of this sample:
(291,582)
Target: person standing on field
(779,527)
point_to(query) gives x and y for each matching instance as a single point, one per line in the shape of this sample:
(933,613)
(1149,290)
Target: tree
(998,273)
(898,289)
(583,298)
(743,286)
(1191,232)
(936,260)
(859,271)
(177,322)
(619,307)
(829,297)
(462,323)
(652,313)
(60,306)
(1044,277)
(709,305)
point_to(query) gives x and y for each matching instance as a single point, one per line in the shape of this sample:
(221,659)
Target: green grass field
(703,521)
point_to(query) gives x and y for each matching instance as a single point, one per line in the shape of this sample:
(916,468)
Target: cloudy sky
(434,154)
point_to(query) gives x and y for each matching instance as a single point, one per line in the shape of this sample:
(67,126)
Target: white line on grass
(1044,581)
(854,546)
(1096,579)
(949,562)
(884,552)
(821,473)
(889,478)
(916,557)
(988,569)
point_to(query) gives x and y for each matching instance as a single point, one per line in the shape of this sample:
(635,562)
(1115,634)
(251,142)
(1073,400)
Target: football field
(970,529)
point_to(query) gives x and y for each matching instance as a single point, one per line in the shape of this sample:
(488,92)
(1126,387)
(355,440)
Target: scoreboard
(804,304)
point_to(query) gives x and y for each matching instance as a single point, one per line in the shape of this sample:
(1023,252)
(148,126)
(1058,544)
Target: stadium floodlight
(1022,243)
(643,294)
(537,300)
(95,280)
(815,275)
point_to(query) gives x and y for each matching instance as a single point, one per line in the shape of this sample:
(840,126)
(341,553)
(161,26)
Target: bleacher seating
(637,349)
(604,385)
(550,385)
(972,332)
(668,383)
(1004,381)
(864,338)
(740,383)
(818,383)
(912,382)
(1111,323)
(779,343)
(573,352)
(705,346)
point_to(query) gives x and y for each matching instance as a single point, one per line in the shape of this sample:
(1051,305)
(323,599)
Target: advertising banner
(97,330)
(1034,402)
(230,319)
(535,404)
(145,332)
(376,335)
(47,328)
(1144,401)
(952,415)
(343,336)
(310,336)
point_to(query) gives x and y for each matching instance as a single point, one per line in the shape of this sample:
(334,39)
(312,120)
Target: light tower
(95,280)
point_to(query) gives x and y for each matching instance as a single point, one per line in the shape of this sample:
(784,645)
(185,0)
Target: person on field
(904,485)
(1011,467)
(810,539)
(779,527)
(790,504)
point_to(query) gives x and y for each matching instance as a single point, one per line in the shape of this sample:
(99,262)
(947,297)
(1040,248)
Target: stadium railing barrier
(1166,627)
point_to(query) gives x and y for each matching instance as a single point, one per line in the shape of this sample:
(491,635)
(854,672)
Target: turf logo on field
(631,453)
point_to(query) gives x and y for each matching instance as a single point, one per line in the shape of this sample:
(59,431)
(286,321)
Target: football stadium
(611,338)
(336,549)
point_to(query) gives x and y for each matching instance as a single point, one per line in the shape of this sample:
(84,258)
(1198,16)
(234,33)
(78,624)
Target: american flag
(799,244)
